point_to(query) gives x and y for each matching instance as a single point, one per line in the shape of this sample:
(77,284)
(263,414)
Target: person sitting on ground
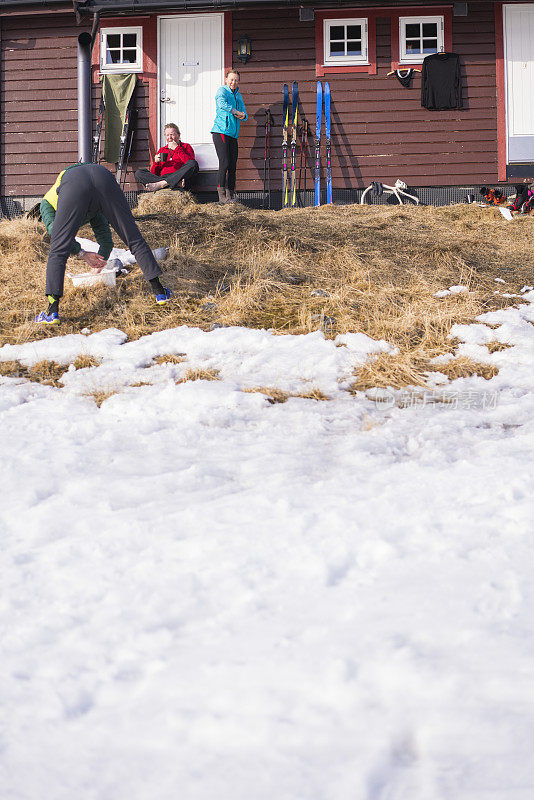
(174,165)
(89,193)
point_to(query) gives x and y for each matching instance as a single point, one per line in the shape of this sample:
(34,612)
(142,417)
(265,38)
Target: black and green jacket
(98,222)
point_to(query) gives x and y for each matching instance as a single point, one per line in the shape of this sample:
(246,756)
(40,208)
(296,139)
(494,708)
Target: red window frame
(418,11)
(322,69)
(371,15)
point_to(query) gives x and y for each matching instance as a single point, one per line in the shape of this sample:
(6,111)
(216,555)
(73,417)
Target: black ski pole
(130,141)
(303,146)
(267,154)
(98,132)
(305,157)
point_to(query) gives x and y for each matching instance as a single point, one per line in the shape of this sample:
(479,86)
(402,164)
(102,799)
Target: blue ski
(294,109)
(318,143)
(328,142)
(285,121)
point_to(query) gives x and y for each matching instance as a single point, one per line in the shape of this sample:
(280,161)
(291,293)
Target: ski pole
(303,154)
(267,153)
(285,122)
(129,148)
(294,108)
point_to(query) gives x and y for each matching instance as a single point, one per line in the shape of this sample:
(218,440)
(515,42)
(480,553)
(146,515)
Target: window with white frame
(121,49)
(345,41)
(419,37)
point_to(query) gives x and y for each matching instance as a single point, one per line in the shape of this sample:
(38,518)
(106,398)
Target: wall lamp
(244,49)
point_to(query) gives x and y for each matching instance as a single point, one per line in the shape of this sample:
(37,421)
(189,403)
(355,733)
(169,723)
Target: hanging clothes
(117,91)
(441,82)
(404,76)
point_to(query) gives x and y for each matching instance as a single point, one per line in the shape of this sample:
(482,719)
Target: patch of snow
(451,290)
(210,596)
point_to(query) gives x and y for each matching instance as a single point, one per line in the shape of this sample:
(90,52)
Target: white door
(191,70)
(518,22)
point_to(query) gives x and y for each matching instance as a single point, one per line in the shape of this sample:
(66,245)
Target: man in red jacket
(174,165)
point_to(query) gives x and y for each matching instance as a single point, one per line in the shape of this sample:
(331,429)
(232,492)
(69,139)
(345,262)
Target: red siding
(379,129)
(38,104)
(38,111)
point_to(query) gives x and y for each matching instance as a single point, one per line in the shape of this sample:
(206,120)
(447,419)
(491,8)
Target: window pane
(430,29)
(430,45)
(130,40)
(113,56)
(413,46)
(413,30)
(354,48)
(337,48)
(354,31)
(130,56)
(114,40)
(337,32)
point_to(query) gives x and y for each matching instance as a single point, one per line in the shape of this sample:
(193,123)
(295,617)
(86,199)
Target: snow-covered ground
(205,596)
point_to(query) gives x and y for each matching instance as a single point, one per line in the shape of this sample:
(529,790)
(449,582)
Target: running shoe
(161,299)
(47,319)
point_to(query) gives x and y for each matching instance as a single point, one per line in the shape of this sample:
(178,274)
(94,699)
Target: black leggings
(187,172)
(226,147)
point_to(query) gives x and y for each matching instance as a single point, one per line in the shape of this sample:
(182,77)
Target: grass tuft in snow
(275,395)
(13,369)
(199,375)
(464,367)
(170,358)
(46,372)
(85,361)
(496,347)
(396,371)
(101,395)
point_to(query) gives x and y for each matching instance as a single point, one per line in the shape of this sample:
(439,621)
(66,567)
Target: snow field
(204,595)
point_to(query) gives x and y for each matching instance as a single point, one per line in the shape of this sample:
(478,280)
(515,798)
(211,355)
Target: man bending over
(89,193)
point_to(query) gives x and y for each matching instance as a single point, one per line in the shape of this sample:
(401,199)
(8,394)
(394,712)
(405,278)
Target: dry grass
(13,369)
(392,371)
(410,369)
(164,202)
(496,347)
(46,372)
(85,361)
(199,375)
(464,367)
(275,395)
(312,394)
(380,267)
(101,395)
(170,358)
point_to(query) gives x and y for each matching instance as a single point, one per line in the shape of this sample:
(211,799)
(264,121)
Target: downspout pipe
(84,96)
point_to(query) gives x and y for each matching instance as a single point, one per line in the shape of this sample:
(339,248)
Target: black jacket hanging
(441,83)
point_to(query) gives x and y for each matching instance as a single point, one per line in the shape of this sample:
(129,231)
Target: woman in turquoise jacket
(230,110)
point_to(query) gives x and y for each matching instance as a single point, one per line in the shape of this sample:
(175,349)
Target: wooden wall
(38,103)
(379,129)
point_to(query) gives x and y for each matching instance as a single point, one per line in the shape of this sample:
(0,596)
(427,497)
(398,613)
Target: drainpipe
(84,96)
